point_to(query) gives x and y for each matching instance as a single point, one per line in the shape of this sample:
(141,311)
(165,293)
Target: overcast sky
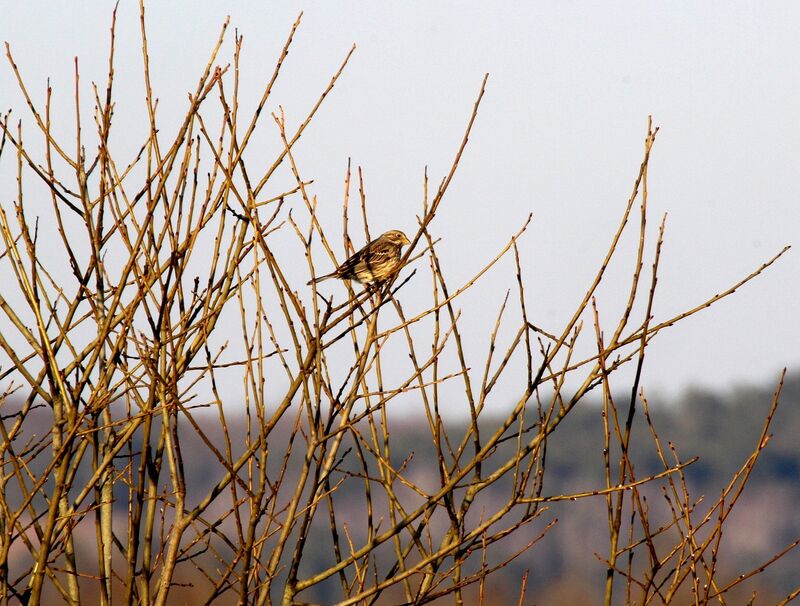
(560,134)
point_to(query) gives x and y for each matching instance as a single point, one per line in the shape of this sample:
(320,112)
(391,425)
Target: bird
(378,261)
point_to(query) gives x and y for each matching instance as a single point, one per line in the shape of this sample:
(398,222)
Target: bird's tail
(321,278)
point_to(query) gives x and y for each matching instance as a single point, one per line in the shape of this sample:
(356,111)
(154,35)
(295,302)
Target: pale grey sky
(560,134)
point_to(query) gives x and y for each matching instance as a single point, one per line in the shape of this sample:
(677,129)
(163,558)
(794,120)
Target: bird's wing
(349,266)
(374,256)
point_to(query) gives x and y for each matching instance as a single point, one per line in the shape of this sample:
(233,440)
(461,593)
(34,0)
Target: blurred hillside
(721,428)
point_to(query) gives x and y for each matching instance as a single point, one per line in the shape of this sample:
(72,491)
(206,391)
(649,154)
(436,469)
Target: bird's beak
(406,241)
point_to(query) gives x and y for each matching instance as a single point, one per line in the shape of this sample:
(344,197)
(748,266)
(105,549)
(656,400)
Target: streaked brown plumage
(376,262)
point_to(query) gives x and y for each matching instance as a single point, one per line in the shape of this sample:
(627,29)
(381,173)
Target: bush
(121,349)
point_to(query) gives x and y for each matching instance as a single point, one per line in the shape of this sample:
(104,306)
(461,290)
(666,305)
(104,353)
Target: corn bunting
(376,262)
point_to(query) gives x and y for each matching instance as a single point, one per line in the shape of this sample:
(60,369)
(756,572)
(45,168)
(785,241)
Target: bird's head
(396,237)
